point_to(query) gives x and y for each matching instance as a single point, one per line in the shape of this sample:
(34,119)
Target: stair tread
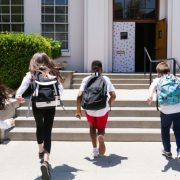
(86,130)
(144,119)
(112,108)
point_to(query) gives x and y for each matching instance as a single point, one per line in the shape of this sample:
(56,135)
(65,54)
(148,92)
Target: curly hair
(4,96)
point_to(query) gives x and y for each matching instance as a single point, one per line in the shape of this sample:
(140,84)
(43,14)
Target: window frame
(66,5)
(11,14)
(136,19)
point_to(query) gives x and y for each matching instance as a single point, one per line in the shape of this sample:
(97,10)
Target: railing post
(144,61)
(150,73)
(174,67)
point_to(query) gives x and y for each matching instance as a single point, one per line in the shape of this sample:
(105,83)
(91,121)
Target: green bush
(55,47)
(16,51)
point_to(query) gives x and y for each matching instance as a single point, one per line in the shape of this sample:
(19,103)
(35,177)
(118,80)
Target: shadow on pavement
(173,164)
(107,161)
(63,172)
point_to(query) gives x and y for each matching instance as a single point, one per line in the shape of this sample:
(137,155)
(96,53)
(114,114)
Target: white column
(98,33)
(175,29)
(32,16)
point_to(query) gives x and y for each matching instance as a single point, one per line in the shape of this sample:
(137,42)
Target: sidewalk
(72,160)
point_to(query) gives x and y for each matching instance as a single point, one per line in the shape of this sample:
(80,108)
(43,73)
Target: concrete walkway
(72,160)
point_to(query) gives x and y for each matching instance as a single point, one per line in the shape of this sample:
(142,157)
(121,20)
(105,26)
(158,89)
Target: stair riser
(119,81)
(116,103)
(119,76)
(85,124)
(120,137)
(114,113)
(121,86)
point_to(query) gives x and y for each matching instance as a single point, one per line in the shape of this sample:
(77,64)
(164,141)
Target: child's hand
(79,115)
(20,99)
(149,100)
(12,121)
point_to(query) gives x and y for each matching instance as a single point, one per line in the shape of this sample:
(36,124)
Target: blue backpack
(168,90)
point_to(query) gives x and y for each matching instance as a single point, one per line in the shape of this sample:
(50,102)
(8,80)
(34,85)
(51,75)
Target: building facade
(113,31)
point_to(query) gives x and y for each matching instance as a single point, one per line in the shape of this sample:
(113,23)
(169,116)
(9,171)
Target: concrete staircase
(131,119)
(120,81)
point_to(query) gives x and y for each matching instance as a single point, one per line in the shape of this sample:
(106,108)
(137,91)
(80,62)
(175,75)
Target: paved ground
(72,160)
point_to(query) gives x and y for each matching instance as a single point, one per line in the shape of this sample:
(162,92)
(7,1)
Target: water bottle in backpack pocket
(168,90)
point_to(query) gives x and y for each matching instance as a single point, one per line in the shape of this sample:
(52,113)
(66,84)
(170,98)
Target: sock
(95,149)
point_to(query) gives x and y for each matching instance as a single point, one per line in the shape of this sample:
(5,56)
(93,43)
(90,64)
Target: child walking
(44,117)
(168,91)
(97,118)
(3,98)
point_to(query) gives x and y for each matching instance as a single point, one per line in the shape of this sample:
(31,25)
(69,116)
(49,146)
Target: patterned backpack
(168,90)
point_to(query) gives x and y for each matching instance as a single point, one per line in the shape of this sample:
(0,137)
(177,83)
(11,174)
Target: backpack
(95,93)
(168,90)
(45,92)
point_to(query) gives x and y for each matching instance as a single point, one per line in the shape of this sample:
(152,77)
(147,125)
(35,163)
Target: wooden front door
(160,49)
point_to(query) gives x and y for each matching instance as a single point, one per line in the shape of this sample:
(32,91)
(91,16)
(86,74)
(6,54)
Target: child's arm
(112,97)
(7,123)
(151,90)
(79,100)
(24,85)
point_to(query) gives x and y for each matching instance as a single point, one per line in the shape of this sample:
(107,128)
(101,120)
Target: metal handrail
(153,61)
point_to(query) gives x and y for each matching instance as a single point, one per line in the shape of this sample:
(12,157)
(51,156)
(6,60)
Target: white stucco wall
(98,33)
(32,16)
(75,56)
(175,30)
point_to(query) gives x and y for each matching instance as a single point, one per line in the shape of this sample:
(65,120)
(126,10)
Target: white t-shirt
(169,109)
(110,88)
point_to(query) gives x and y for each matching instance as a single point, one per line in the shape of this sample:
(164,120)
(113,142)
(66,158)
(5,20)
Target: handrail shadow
(107,161)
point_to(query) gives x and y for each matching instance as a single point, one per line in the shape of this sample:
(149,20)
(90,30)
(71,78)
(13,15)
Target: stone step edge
(86,130)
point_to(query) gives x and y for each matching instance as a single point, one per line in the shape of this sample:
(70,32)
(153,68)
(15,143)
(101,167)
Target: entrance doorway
(145,37)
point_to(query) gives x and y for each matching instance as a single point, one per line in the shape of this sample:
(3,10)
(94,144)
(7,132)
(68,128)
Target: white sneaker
(95,154)
(167,154)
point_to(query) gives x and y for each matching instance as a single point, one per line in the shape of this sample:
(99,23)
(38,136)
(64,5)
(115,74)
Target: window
(55,20)
(135,9)
(12,15)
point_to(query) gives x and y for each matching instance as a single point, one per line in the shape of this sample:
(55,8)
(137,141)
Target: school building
(113,31)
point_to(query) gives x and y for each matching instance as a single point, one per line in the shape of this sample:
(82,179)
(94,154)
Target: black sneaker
(45,171)
(167,154)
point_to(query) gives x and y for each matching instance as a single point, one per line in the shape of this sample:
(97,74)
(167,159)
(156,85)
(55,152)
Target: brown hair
(3,96)
(163,68)
(42,63)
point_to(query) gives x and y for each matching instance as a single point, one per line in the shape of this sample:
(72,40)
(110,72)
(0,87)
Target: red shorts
(98,122)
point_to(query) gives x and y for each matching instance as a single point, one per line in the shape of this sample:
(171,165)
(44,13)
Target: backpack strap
(29,105)
(157,101)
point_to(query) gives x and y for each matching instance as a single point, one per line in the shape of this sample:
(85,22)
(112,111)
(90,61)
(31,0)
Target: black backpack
(95,93)
(45,93)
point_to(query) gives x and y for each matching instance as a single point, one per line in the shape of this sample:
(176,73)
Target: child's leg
(93,135)
(38,115)
(176,128)
(166,121)
(48,124)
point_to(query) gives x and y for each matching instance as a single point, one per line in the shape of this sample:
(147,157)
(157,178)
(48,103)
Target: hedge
(55,47)
(16,51)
